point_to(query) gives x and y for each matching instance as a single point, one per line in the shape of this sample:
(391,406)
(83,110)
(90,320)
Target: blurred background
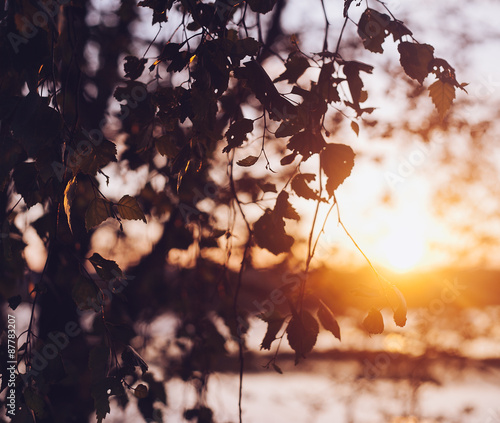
(421,203)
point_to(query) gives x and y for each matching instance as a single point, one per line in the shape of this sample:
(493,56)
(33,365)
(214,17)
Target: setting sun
(403,249)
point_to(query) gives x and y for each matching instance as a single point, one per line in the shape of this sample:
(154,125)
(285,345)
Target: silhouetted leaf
(372,29)
(246,47)
(288,159)
(337,161)
(179,61)
(269,232)
(288,128)
(14,301)
(170,50)
(134,67)
(101,400)
(274,324)
(261,6)
(374,323)
(351,70)
(401,309)
(277,369)
(306,143)
(355,127)
(260,84)
(302,332)
(248,161)
(296,65)
(327,84)
(132,358)
(141,391)
(94,159)
(415,59)
(442,94)
(159,8)
(398,30)
(237,133)
(97,212)
(267,186)
(106,269)
(129,209)
(328,320)
(283,207)
(25,177)
(299,185)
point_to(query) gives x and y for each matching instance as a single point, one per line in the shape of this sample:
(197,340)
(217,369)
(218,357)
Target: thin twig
(238,287)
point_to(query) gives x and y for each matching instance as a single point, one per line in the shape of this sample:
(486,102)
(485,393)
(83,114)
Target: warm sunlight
(404,246)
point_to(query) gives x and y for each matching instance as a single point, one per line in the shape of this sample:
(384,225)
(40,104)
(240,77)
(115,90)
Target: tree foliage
(187,106)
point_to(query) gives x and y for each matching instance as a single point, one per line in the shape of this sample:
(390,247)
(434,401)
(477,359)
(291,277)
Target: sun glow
(403,247)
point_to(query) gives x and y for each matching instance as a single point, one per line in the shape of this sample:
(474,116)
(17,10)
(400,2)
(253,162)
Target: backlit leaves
(128,207)
(261,6)
(248,161)
(327,83)
(259,82)
(131,358)
(269,233)
(306,143)
(327,319)
(93,158)
(401,309)
(415,59)
(352,71)
(159,7)
(69,196)
(246,47)
(134,67)
(106,269)
(25,177)
(237,133)
(398,30)
(98,366)
(374,323)
(337,161)
(141,391)
(372,29)
(284,208)
(274,324)
(442,94)
(97,212)
(299,185)
(355,127)
(14,301)
(302,332)
(296,65)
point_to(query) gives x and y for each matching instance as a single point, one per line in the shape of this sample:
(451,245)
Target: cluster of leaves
(302,328)
(52,153)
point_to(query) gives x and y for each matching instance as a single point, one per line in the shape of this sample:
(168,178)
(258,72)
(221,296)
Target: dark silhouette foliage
(187,106)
